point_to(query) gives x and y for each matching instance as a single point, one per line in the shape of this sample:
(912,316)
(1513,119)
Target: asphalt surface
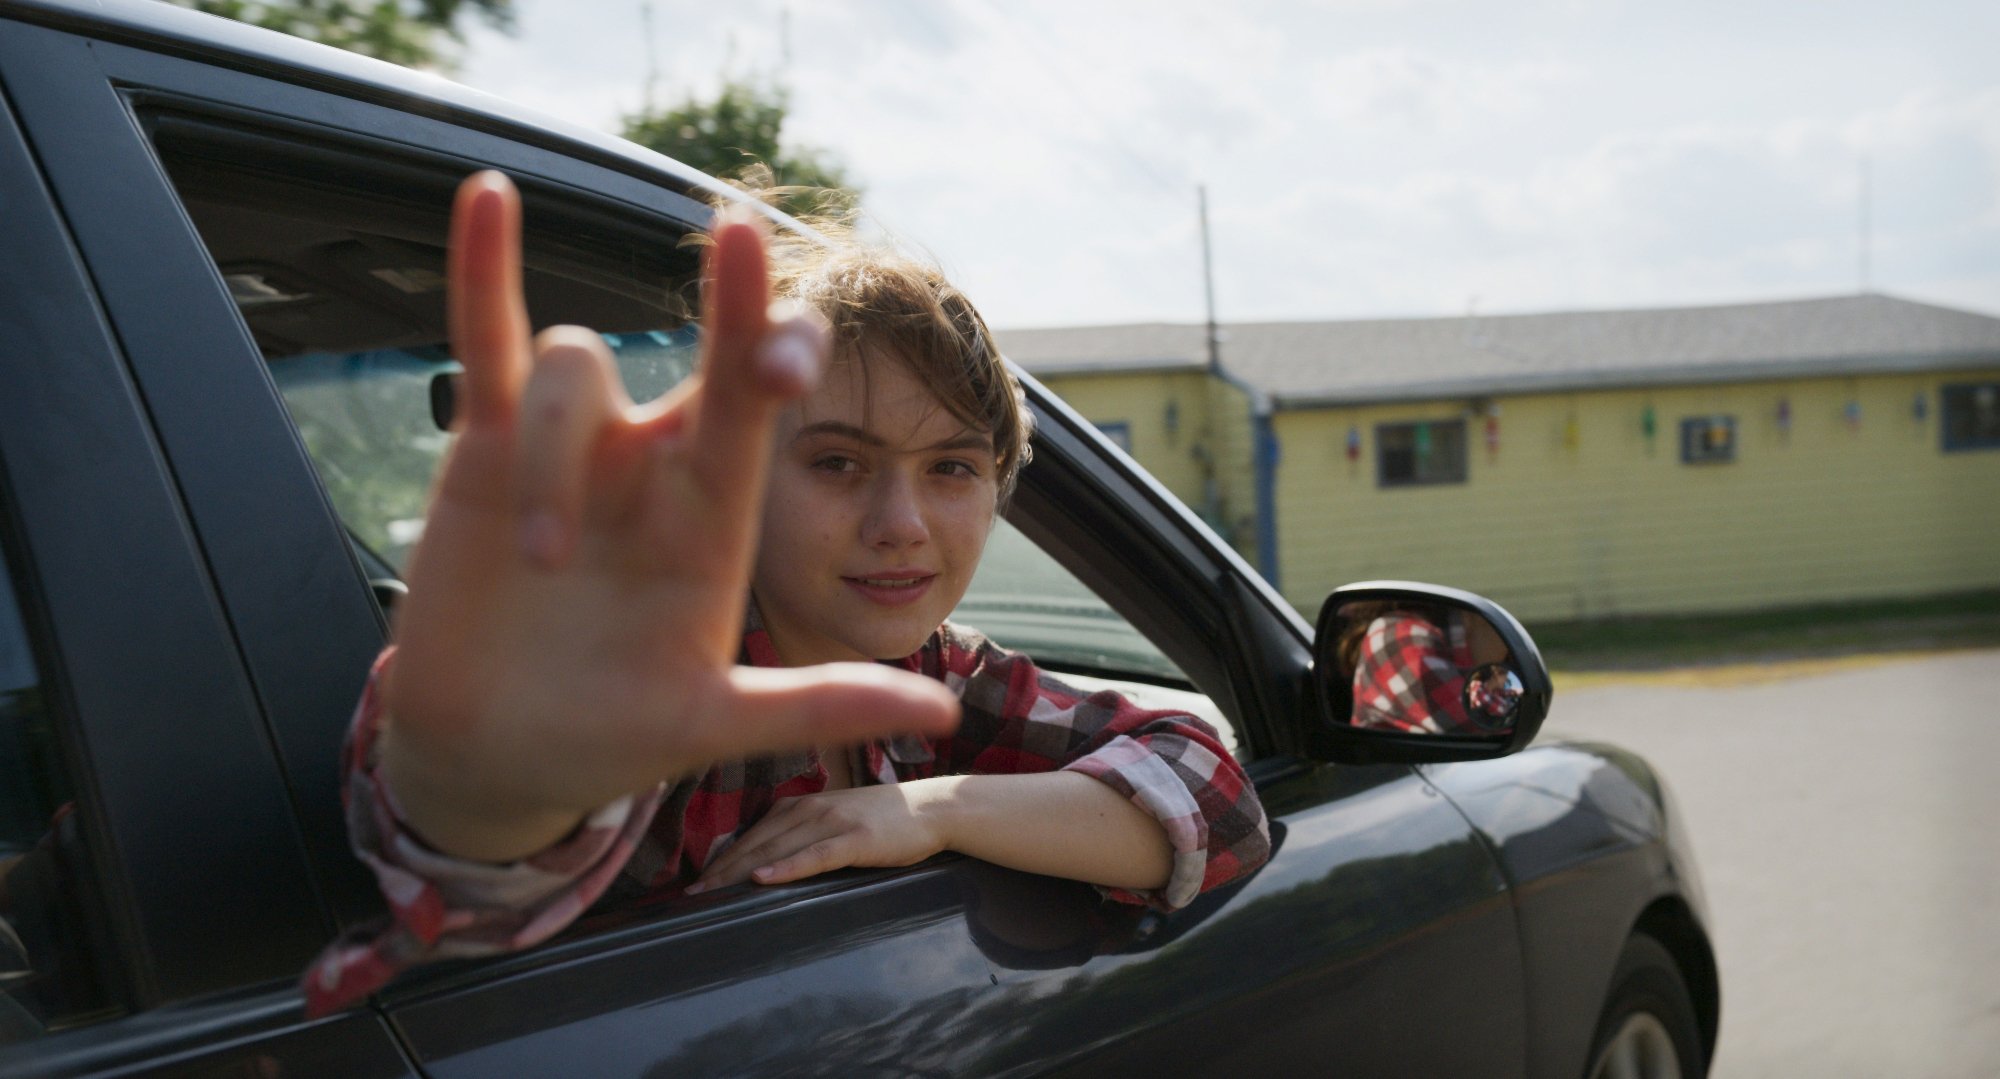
(1846,817)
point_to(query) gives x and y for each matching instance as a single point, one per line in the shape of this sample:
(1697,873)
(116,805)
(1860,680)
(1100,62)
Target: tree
(738,131)
(400,31)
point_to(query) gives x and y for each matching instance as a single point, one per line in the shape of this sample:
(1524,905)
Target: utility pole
(1208,282)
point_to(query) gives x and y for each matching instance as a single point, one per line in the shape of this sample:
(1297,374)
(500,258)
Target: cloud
(1362,157)
(1403,87)
(1691,213)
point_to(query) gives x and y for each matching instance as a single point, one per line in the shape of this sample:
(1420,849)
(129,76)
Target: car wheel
(1648,1030)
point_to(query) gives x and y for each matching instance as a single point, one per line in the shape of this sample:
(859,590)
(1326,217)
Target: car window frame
(185,813)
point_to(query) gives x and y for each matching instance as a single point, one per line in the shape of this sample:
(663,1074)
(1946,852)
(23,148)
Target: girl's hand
(576,602)
(881,826)
(1060,824)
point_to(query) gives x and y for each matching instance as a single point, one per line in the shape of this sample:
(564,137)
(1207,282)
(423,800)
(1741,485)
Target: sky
(1362,158)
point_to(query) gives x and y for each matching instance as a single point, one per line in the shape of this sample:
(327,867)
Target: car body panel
(1380,896)
(1586,837)
(166,722)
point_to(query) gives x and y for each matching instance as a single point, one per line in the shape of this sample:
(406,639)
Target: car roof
(228,43)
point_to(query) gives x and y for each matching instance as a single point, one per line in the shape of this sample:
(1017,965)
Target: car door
(154,893)
(1379,938)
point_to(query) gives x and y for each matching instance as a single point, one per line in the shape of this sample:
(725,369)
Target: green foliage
(400,31)
(740,130)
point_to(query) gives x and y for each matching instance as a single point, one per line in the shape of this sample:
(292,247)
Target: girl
(577,694)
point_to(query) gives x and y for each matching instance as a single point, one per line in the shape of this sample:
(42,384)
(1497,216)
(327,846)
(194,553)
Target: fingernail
(694,889)
(764,873)
(542,539)
(791,357)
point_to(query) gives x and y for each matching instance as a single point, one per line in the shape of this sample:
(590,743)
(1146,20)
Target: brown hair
(878,298)
(1357,618)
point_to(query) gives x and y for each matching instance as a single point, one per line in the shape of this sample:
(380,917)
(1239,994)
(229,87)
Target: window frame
(1461,474)
(1119,432)
(1964,391)
(185,815)
(1696,429)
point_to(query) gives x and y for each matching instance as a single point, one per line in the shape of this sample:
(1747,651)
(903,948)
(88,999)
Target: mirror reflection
(1427,668)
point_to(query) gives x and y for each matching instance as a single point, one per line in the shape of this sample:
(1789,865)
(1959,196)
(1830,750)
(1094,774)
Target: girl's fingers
(572,394)
(753,851)
(822,856)
(775,709)
(752,366)
(487,313)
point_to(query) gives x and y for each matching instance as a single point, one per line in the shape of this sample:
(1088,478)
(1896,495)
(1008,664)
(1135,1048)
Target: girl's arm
(1147,804)
(1060,824)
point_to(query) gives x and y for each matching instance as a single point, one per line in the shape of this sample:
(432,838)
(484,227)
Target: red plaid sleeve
(1405,680)
(1018,718)
(447,908)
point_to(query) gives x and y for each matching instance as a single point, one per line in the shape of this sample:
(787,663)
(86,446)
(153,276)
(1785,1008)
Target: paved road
(1847,822)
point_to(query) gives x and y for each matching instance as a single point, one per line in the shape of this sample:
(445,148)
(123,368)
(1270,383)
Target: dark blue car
(221,316)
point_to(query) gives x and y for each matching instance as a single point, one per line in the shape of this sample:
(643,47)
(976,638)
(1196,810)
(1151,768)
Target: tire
(1648,1029)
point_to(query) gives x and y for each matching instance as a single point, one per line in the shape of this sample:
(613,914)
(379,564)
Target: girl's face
(879,504)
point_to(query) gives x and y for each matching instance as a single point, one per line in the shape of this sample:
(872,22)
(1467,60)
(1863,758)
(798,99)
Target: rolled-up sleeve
(441,907)
(1018,718)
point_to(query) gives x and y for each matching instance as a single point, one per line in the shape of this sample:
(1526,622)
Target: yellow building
(1575,465)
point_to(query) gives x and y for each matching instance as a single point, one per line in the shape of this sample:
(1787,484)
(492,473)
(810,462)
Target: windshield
(367,421)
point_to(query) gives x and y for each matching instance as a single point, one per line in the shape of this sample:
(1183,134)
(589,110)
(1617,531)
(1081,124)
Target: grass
(1970,620)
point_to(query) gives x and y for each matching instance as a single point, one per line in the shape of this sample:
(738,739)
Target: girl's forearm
(1060,824)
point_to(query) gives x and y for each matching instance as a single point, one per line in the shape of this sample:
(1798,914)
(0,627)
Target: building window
(1416,454)
(1119,432)
(1971,416)
(1708,440)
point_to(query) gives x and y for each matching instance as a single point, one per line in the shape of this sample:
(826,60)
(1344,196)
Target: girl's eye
(956,468)
(834,462)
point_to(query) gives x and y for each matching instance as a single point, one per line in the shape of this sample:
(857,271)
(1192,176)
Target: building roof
(1306,364)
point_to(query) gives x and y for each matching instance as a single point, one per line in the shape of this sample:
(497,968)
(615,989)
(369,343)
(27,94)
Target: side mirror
(1418,673)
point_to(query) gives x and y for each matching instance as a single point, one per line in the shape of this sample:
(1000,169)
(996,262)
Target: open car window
(336,262)
(1023,599)
(368,421)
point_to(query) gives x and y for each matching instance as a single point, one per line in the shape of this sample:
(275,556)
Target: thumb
(779,709)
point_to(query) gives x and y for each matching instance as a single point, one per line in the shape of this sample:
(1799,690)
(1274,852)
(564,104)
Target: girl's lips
(892,590)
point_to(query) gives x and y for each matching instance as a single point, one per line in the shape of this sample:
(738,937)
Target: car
(220,408)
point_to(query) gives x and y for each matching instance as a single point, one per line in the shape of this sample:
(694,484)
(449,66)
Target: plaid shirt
(1409,676)
(1015,719)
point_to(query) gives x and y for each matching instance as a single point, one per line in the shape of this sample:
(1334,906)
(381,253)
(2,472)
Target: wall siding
(1207,462)
(1234,508)
(1140,401)
(1615,525)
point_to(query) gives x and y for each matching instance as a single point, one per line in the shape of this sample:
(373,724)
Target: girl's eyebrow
(970,440)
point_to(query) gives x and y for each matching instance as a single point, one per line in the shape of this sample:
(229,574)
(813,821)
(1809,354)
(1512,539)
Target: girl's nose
(895,514)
